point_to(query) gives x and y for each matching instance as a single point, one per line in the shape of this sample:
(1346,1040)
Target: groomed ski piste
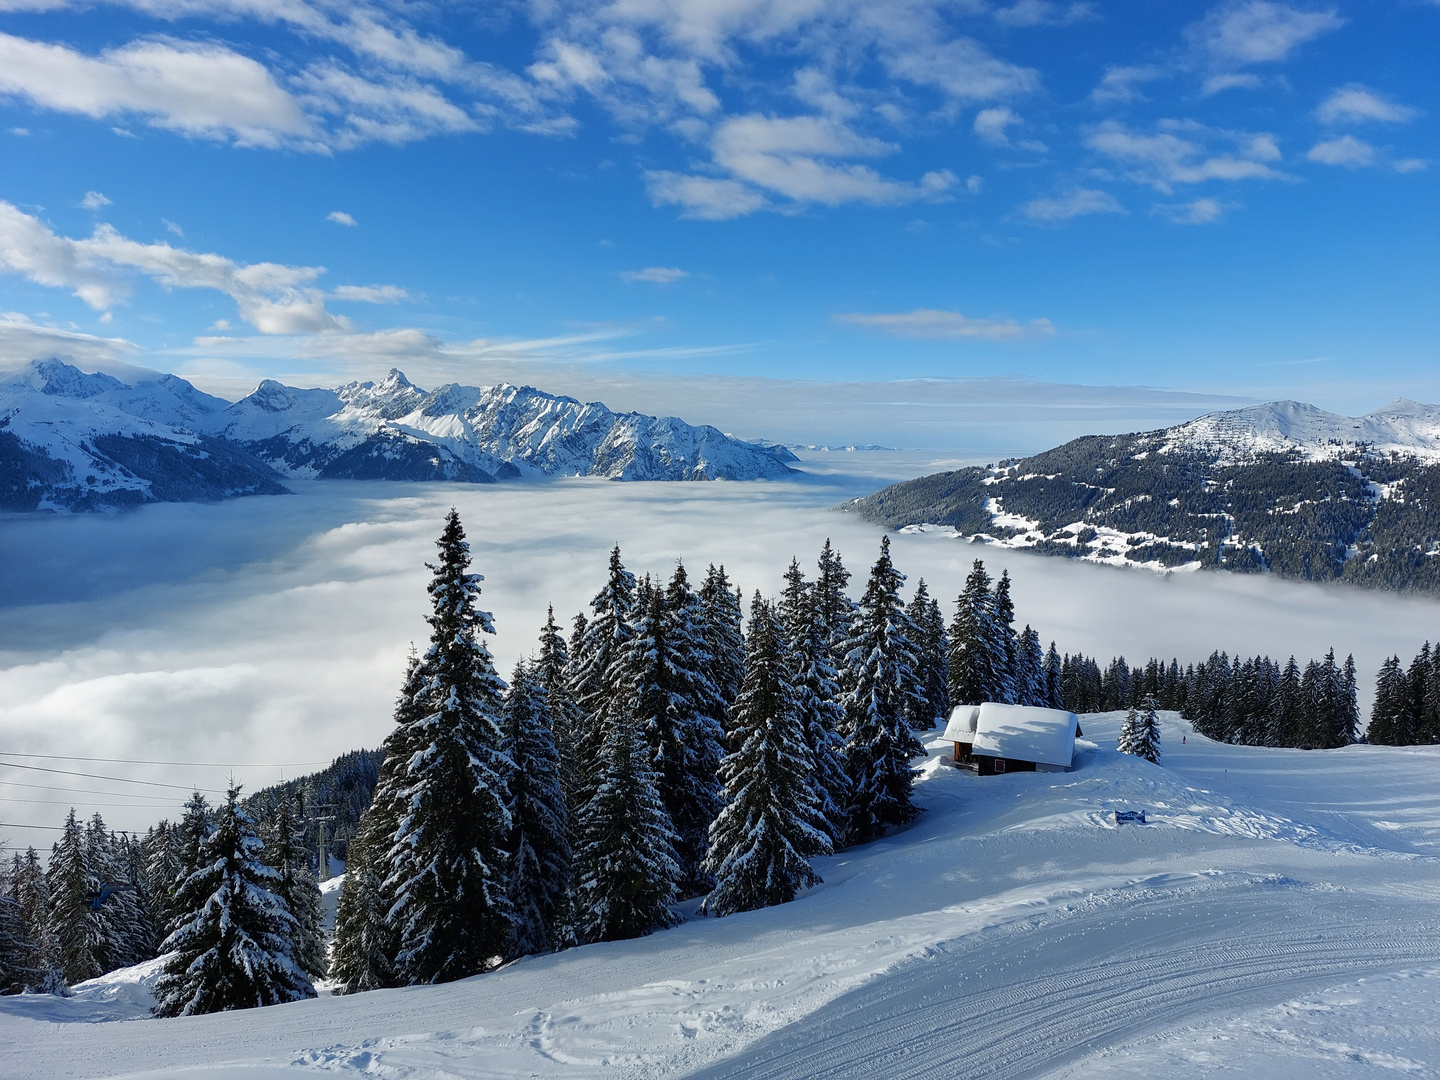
(1278,916)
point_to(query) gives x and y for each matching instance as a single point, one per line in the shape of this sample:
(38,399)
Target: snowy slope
(1269,921)
(396,430)
(76,441)
(1404,427)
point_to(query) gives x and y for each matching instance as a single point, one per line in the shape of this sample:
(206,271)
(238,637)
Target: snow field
(1012,931)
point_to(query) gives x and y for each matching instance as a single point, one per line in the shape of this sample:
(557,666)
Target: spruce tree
(761,842)
(625,865)
(722,639)
(933,670)
(1030,683)
(1053,666)
(300,892)
(539,843)
(232,945)
(448,875)
(15,947)
(31,891)
(594,658)
(1389,716)
(363,956)
(977,658)
(816,684)
(551,671)
(73,888)
(1006,645)
(1140,732)
(879,682)
(834,606)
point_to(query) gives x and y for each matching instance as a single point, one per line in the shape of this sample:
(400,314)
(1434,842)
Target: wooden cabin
(1013,738)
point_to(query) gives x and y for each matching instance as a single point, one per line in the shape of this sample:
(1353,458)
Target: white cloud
(1216,84)
(1118,85)
(1043,13)
(1179,153)
(939,324)
(704,197)
(371,294)
(340,217)
(1347,150)
(200,90)
(94,200)
(1075,203)
(654,275)
(1195,212)
(1409,165)
(990,124)
(22,340)
(171,227)
(272,297)
(1259,31)
(1355,103)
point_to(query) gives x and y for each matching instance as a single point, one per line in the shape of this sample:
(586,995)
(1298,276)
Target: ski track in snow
(1276,902)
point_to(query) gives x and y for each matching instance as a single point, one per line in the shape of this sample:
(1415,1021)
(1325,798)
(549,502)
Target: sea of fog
(265,634)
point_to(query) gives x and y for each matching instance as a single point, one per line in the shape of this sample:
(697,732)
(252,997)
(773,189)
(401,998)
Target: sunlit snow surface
(1278,918)
(1014,930)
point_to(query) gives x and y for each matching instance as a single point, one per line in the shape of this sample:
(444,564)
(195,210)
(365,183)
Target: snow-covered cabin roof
(1024,733)
(961,727)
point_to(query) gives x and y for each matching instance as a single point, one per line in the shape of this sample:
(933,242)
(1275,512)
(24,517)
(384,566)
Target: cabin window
(999,764)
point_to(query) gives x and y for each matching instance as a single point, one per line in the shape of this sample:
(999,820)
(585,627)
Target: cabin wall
(985,765)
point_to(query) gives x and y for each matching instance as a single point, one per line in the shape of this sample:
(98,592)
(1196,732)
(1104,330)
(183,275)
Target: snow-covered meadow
(1278,916)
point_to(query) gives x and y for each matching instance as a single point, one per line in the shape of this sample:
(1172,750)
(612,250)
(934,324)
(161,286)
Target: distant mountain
(76,441)
(1284,488)
(395,430)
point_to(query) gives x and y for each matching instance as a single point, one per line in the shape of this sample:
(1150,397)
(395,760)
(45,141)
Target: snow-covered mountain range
(76,441)
(1406,427)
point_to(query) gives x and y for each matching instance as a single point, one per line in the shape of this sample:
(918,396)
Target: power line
(85,791)
(86,802)
(47,828)
(112,779)
(192,764)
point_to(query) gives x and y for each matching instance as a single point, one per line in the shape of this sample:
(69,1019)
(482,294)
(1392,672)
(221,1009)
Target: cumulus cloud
(1259,31)
(1356,104)
(654,275)
(1043,13)
(201,90)
(272,297)
(1182,152)
(1348,151)
(94,200)
(938,324)
(1077,202)
(990,124)
(1409,165)
(1216,84)
(707,198)
(1195,212)
(340,217)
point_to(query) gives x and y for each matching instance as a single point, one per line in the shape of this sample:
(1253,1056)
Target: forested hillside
(1359,516)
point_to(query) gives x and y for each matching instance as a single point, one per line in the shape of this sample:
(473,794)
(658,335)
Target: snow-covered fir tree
(771,824)
(833,604)
(366,942)
(625,867)
(1140,732)
(298,888)
(539,843)
(363,956)
(448,869)
(879,683)
(594,659)
(723,640)
(232,945)
(124,934)
(816,685)
(1030,681)
(72,888)
(1007,643)
(31,892)
(977,656)
(551,671)
(932,661)
(1391,721)
(15,947)
(1054,699)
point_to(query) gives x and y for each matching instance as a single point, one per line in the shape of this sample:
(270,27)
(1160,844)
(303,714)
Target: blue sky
(1224,199)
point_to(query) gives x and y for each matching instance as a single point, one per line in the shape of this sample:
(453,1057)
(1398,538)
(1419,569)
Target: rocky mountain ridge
(71,440)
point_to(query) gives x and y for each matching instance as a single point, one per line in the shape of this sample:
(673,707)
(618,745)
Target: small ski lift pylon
(96,900)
